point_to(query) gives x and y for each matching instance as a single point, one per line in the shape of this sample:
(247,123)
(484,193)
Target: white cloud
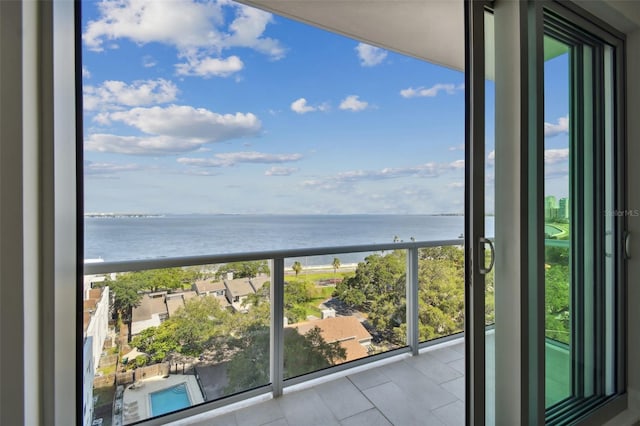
(427,170)
(181,24)
(189,122)
(93,168)
(247,29)
(280,171)
(301,106)
(458,164)
(196,29)
(207,67)
(491,158)
(113,94)
(139,145)
(353,103)
(369,55)
(457,148)
(148,61)
(232,158)
(562,126)
(432,91)
(85,72)
(455,185)
(553,156)
(173,129)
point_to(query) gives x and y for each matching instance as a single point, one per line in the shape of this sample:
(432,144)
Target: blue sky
(214,107)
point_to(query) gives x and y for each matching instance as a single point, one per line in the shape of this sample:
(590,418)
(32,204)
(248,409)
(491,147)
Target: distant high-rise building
(550,208)
(563,208)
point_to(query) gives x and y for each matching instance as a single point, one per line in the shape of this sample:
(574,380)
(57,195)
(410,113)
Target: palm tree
(336,265)
(297,267)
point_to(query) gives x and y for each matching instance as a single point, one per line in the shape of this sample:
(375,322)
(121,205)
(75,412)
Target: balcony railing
(278,378)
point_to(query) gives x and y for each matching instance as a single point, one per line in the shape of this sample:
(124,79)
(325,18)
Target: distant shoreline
(119,215)
(145,215)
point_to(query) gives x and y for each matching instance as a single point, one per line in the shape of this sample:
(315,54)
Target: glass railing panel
(176,337)
(338,312)
(440,291)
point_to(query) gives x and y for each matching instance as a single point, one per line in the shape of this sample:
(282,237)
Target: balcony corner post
(413,334)
(276,332)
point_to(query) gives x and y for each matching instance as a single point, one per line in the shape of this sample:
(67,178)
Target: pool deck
(136,404)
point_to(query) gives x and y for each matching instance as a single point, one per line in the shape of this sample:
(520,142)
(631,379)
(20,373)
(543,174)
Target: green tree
(200,325)
(557,255)
(336,265)
(297,293)
(155,279)
(378,276)
(441,291)
(249,367)
(379,289)
(297,267)
(249,269)
(126,296)
(201,321)
(157,342)
(556,300)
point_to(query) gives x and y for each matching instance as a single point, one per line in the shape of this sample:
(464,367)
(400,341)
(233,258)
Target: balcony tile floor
(424,390)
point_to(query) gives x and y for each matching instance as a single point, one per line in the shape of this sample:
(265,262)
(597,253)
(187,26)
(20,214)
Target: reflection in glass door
(557,223)
(581,256)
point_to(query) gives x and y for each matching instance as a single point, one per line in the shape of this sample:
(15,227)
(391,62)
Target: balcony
(405,390)
(394,363)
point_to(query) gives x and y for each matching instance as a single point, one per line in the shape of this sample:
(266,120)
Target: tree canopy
(378,288)
(249,269)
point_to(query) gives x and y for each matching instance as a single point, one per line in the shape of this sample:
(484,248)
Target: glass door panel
(489,211)
(557,216)
(580,226)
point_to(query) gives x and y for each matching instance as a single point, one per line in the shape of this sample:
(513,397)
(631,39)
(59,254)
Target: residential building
(40,196)
(96,320)
(550,208)
(176,301)
(151,312)
(348,331)
(563,209)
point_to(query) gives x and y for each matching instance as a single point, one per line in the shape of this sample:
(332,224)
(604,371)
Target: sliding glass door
(582,215)
(544,334)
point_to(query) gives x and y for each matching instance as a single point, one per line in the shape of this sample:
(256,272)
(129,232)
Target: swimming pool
(169,399)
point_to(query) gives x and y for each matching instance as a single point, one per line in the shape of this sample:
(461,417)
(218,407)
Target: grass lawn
(321,294)
(316,276)
(108,369)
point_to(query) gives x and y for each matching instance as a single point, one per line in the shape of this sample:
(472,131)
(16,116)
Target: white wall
(98,327)
(88,368)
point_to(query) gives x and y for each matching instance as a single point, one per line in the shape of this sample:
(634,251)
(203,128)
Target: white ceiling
(432,30)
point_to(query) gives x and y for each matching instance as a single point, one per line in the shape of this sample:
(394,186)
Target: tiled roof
(173,304)
(239,287)
(205,286)
(149,306)
(349,331)
(259,281)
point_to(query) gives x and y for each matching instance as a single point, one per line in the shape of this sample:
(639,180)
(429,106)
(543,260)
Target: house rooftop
(239,287)
(207,286)
(349,331)
(150,304)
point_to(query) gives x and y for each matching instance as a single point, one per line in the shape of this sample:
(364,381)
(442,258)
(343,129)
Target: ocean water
(129,238)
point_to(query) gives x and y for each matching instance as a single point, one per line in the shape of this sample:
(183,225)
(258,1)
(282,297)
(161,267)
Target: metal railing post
(413,333)
(276,331)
